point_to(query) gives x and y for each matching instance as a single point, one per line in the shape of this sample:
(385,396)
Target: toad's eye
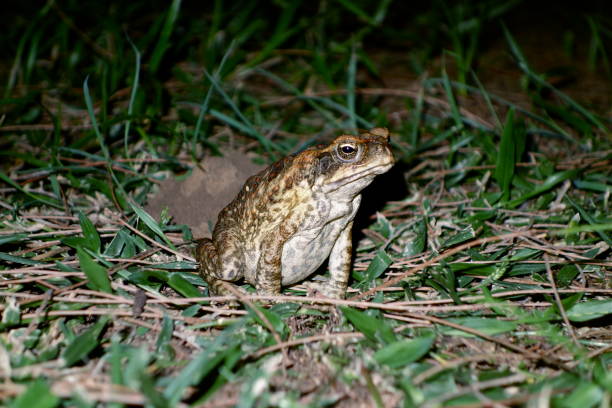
(347,149)
(348,152)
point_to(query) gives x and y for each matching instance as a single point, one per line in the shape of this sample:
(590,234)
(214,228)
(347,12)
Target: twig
(560,306)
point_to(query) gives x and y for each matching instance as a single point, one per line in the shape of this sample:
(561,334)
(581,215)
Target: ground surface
(482,273)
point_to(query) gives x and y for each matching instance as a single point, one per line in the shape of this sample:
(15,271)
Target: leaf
(586,394)
(182,286)
(165,334)
(198,368)
(506,157)
(34,196)
(274,319)
(163,43)
(374,329)
(549,183)
(403,352)
(589,310)
(38,395)
(84,343)
(589,219)
(18,259)
(97,275)
(150,222)
(12,238)
(566,275)
(378,265)
(484,325)
(417,244)
(92,239)
(462,236)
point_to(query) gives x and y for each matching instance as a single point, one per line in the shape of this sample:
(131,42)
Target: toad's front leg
(340,264)
(269,266)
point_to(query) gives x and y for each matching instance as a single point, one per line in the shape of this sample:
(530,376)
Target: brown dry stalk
(560,307)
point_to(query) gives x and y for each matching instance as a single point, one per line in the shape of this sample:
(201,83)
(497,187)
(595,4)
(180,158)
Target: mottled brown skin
(288,219)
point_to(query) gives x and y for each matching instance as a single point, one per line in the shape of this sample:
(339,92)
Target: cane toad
(292,216)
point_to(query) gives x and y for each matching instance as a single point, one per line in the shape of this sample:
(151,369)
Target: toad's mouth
(369,172)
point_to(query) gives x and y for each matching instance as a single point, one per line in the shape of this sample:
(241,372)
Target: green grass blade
(84,343)
(38,394)
(18,259)
(373,329)
(163,43)
(506,157)
(451,99)
(36,197)
(97,275)
(350,88)
(150,222)
(549,183)
(378,265)
(133,92)
(586,216)
(404,352)
(92,239)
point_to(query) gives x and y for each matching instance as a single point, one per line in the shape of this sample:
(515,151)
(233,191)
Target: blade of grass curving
(135,84)
(92,239)
(586,216)
(18,259)
(163,43)
(268,145)
(206,101)
(451,98)
(350,88)
(97,275)
(34,196)
(549,183)
(506,157)
(597,46)
(403,352)
(589,310)
(376,330)
(359,12)
(487,98)
(378,265)
(182,286)
(342,109)
(198,368)
(524,66)
(84,343)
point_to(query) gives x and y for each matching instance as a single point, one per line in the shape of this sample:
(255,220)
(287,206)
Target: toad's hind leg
(216,269)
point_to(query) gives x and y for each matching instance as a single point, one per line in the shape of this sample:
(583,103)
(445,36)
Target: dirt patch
(197,200)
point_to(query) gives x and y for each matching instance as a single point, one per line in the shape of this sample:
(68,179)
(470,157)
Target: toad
(292,216)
